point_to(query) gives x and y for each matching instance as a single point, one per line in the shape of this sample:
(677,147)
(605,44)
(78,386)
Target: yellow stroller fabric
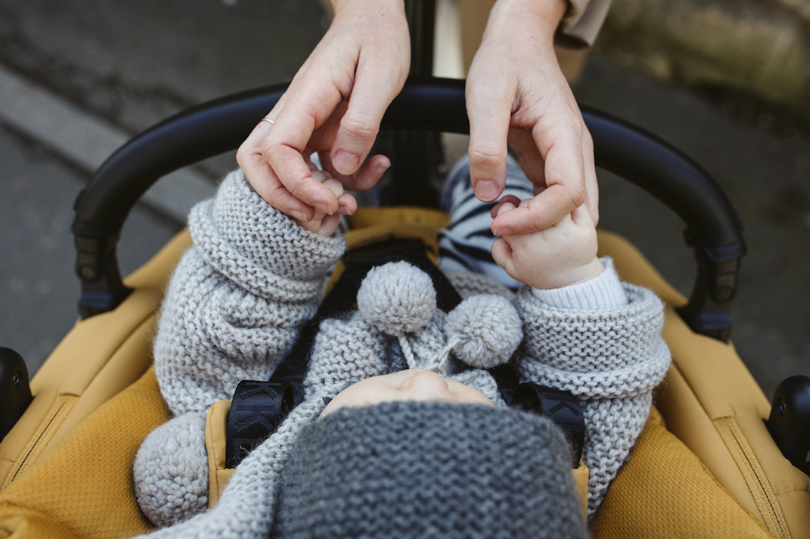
(705,465)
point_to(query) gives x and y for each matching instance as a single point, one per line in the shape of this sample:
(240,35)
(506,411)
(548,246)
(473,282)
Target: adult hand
(333,106)
(516,92)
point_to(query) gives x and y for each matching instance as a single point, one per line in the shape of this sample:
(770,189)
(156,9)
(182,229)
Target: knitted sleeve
(600,340)
(238,298)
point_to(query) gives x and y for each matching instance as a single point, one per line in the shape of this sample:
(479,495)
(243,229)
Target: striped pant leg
(466,243)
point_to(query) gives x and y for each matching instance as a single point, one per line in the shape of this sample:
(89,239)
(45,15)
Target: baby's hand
(322,224)
(558,256)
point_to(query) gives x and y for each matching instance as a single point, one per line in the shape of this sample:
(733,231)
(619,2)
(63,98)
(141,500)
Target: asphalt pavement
(113,68)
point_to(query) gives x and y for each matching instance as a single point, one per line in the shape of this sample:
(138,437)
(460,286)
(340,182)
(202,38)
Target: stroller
(714,460)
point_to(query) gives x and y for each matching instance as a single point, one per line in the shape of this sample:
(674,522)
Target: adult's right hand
(334,107)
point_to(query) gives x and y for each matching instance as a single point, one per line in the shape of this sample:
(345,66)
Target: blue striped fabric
(465,245)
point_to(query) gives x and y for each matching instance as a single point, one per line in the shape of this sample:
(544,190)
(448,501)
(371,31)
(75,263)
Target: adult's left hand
(516,92)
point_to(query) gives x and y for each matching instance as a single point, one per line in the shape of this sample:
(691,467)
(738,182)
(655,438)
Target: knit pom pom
(488,330)
(397,298)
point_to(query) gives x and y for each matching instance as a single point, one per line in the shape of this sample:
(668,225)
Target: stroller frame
(711,404)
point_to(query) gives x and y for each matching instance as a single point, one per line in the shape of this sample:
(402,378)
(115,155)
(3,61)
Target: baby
(239,297)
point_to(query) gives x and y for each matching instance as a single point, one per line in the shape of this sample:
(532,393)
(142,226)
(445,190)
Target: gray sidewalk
(121,66)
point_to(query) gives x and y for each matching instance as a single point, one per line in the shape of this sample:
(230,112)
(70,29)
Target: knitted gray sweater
(239,297)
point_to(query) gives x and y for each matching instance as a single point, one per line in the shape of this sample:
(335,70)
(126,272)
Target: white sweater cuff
(604,291)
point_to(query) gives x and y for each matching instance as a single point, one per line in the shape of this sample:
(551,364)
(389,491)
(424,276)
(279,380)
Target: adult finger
(489,108)
(263,179)
(270,188)
(362,180)
(543,211)
(286,141)
(375,86)
(591,183)
(565,181)
(531,162)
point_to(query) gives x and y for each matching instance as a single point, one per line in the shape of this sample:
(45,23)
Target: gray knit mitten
(416,469)
(171,471)
(600,340)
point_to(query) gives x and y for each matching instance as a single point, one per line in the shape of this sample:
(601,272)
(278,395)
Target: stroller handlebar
(713,226)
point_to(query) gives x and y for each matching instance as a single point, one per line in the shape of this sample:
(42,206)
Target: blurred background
(727,82)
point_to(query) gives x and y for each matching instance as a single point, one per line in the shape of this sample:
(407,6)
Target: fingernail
(506,231)
(320,206)
(345,163)
(486,190)
(506,206)
(318,175)
(298,215)
(344,210)
(382,168)
(335,186)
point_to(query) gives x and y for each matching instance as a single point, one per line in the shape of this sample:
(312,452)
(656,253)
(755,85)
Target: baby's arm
(587,333)
(238,297)
(234,307)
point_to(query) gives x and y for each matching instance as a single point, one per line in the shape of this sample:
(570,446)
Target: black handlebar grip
(714,230)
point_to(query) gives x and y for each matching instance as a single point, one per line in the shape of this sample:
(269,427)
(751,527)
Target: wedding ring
(268,120)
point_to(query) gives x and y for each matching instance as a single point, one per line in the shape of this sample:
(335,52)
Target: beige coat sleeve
(582,22)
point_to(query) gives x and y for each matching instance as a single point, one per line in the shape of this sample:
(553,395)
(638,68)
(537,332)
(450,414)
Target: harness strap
(559,406)
(257,409)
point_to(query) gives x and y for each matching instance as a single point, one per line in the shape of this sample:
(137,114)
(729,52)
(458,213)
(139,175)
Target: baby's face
(410,385)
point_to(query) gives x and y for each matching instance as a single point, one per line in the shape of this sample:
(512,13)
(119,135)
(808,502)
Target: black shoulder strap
(257,409)
(559,406)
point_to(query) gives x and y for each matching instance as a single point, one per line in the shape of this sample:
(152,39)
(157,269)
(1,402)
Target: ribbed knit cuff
(239,229)
(604,291)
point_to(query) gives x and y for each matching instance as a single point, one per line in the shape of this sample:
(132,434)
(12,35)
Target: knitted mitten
(600,340)
(417,469)
(171,471)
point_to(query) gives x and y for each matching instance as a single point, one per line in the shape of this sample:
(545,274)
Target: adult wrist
(338,5)
(544,15)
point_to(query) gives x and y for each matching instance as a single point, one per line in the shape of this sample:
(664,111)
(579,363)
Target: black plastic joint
(724,279)
(89,256)
(15,392)
(789,422)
